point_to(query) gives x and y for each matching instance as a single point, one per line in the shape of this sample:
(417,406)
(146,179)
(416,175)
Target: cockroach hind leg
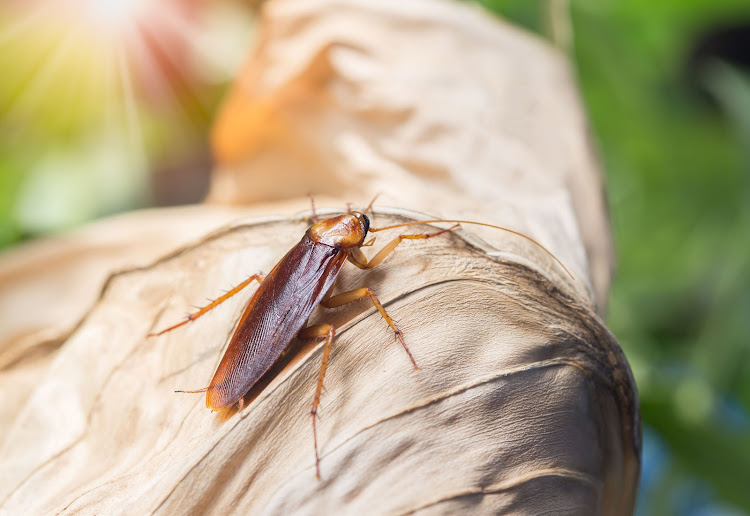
(213,304)
(204,389)
(314,414)
(319,332)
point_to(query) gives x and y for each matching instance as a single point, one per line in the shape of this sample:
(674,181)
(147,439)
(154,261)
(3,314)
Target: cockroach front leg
(216,302)
(358,258)
(319,332)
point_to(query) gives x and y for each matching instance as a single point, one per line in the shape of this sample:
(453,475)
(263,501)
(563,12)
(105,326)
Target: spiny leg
(255,277)
(357,257)
(361,293)
(204,389)
(240,402)
(319,332)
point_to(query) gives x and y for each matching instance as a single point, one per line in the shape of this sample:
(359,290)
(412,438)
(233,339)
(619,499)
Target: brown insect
(280,308)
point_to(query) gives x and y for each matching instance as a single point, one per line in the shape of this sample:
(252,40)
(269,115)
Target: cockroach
(280,307)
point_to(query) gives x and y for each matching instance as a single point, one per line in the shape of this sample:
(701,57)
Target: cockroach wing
(276,313)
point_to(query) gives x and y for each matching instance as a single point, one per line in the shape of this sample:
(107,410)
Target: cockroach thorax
(343,232)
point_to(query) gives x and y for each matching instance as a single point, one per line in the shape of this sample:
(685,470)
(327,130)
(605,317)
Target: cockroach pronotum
(285,298)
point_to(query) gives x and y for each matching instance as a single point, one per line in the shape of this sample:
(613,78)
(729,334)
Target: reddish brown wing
(276,313)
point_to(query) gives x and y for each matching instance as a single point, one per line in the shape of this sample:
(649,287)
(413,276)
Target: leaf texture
(523,403)
(520,390)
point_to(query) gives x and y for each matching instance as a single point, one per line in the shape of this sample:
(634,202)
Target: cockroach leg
(204,389)
(369,206)
(456,221)
(361,293)
(312,208)
(255,277)
(319,332)
(357,257)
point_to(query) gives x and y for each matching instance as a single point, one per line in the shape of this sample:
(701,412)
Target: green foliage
(677,174)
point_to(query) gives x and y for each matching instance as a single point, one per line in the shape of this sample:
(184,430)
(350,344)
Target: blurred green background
(89,130)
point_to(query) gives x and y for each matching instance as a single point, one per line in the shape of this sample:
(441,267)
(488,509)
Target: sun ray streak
(188,33)
(132,120)
(178,83)
(39,85)
(23,24)
(111,96)
(73,104)
(150,69)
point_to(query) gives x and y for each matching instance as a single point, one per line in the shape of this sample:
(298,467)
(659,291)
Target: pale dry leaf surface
(518,389)
(524,402)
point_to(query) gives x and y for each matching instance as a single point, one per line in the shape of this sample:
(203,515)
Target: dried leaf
(524,402)
(521,391)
